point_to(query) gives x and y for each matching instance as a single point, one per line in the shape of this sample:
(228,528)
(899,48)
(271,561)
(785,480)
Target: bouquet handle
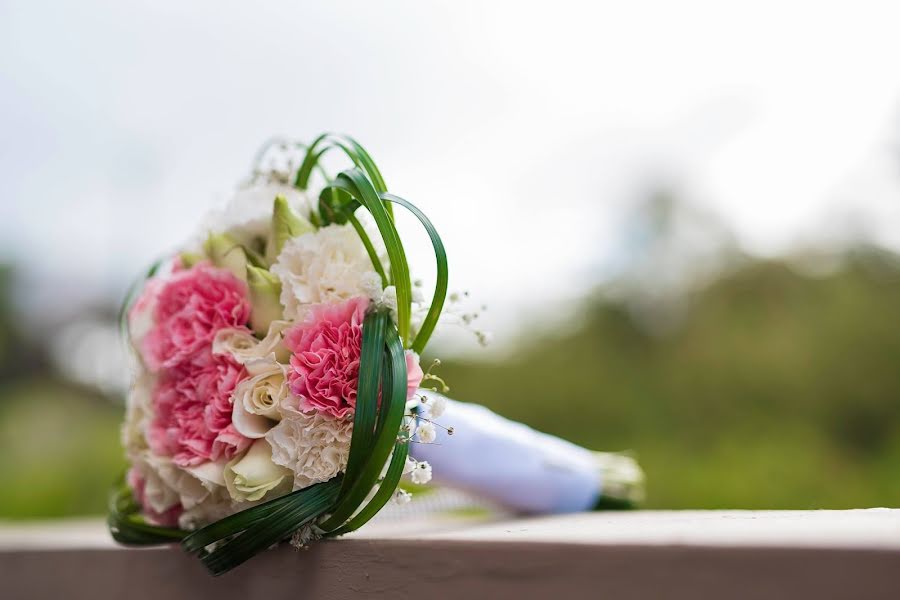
(524,469)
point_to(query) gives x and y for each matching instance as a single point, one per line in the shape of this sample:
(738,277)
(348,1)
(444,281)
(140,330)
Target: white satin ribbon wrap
(509,462)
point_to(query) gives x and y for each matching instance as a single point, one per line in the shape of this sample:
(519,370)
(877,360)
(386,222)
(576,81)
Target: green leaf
(440,288)
(302,507)
(127,526)
(383,495)
(354,151)
(350,147)
(364,418)
(370,249)
(286,224)
(227,253)
(265,299)
(394,402)
(355,183)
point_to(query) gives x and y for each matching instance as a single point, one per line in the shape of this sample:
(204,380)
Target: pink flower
(192,411)
(324,371)
(414,374)
(169,518)
(192,306)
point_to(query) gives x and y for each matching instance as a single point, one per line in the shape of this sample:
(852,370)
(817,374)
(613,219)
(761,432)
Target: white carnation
(312,445)
(328,266)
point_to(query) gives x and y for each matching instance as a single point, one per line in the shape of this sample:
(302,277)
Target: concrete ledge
(731,554)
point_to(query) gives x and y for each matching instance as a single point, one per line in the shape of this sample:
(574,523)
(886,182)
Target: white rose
(257,398)
(217,505)
(253,475)
(312,445)
(243,347)
(166,484)
(328,266)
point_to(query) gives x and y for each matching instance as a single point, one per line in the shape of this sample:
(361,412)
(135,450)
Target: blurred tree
(778,390)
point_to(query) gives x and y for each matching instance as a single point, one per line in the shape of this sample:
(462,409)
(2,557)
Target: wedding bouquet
(277,390)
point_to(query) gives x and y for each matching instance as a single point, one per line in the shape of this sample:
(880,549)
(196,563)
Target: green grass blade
(355,182)
(383,495)
(440,288)
(364,418)
(304,506)
(394,401)
(370,249)
(127,526)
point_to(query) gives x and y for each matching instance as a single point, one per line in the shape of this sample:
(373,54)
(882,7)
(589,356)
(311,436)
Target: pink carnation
(192,306)
(192,411)
(414,374)
(169,518)
(324,371)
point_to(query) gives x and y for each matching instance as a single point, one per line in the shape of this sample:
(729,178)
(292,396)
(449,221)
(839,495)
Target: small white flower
(426,432)
(402,497)
(436,406)
(422,473)
(410,466)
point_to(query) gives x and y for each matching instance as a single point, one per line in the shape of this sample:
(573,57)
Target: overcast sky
(523,129)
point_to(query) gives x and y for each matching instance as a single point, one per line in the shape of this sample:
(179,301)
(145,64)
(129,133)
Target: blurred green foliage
(59,449)
(778,390)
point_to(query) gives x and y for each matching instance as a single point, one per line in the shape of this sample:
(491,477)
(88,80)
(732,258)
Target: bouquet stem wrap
(524,469)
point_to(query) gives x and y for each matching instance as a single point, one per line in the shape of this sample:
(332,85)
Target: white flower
(217,505)
(166,484)
(426,432)
(328,266)
(253,475)
(387,298)
(248,214)
(243,347)
(421,474)
(141,313)
(410,465)
(402,497)
(436,406)
(137,413)
(312,445)
(257,398)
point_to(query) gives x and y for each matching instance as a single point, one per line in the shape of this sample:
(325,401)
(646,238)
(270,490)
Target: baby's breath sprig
(431,377)
(461,314)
